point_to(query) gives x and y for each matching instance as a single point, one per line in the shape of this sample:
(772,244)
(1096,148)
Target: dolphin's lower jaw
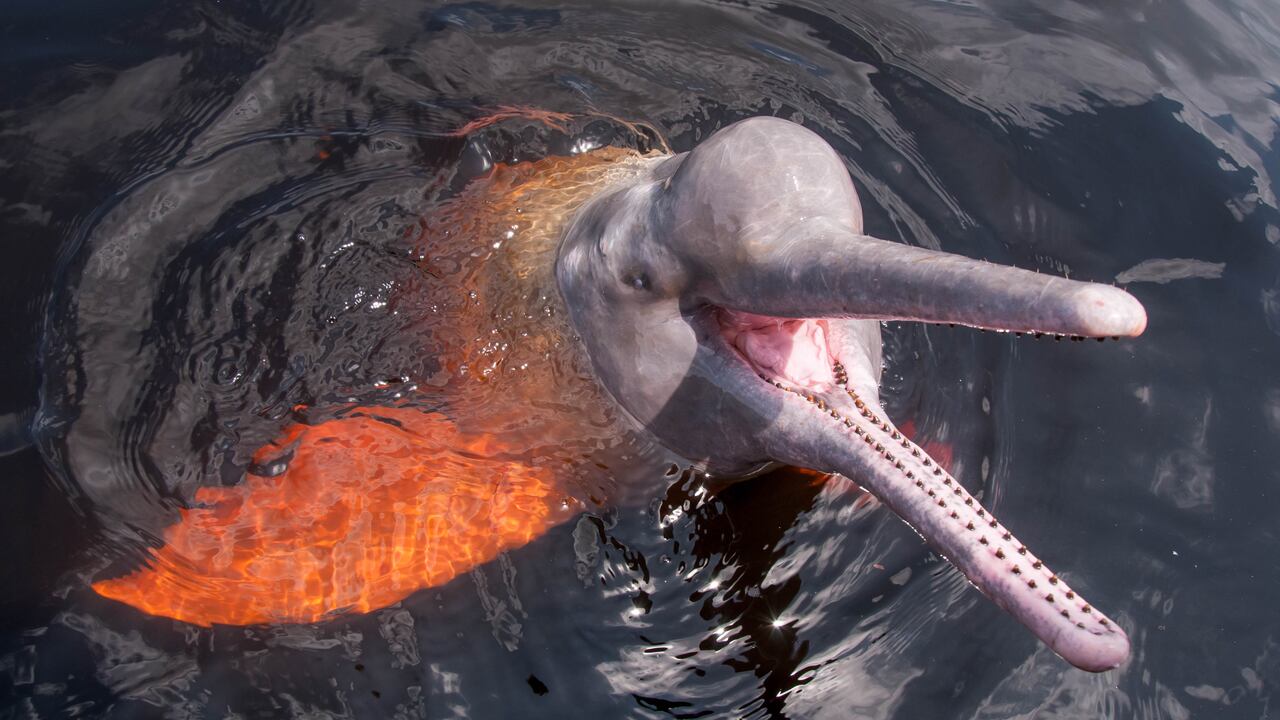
(826,423)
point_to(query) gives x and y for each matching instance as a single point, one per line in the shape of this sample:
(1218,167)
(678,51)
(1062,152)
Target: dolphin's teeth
(842,377)
(947,480)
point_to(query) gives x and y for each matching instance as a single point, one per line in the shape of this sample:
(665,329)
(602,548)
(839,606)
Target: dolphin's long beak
(819,269)
(833,420)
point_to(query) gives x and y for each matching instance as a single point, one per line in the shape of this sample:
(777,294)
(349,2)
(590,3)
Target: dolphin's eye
(637,280)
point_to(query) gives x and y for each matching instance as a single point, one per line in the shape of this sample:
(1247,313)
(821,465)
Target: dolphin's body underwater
(729,303)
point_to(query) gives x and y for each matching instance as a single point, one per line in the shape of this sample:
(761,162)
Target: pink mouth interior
(793,350)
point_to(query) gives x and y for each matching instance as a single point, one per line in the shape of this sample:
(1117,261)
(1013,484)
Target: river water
(203,203)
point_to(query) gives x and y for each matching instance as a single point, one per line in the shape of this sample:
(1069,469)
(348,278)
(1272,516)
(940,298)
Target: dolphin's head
(730,303)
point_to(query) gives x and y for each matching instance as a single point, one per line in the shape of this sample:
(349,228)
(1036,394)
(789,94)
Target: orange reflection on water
(372,507)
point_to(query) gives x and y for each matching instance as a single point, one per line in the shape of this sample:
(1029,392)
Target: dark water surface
(200,206)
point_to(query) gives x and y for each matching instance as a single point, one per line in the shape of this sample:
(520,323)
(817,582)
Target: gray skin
(763,218)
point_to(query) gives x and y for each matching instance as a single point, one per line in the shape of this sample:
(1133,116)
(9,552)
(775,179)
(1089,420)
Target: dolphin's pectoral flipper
(371,507)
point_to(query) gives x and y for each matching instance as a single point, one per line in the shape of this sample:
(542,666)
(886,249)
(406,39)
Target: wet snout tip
(1105,311)
(1094,652)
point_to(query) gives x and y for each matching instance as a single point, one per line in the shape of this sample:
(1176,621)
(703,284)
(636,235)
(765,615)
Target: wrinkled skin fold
(730,303)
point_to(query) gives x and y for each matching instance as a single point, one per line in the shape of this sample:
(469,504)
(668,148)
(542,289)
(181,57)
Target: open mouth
(794,351)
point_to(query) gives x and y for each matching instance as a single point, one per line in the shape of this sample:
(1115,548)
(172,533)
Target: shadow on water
(205,208)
